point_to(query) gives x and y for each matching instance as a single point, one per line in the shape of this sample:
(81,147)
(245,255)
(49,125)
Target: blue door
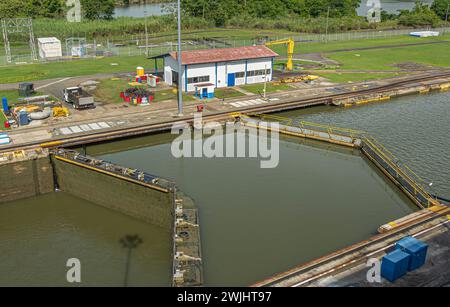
(231,79)
(205,93)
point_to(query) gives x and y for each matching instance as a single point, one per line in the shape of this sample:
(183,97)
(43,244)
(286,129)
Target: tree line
(223,12)
(220,11)
(91,9)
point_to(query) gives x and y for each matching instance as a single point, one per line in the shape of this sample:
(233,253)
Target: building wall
(218,72)
(170,64)
(259,64)
(221,75)
(50,50)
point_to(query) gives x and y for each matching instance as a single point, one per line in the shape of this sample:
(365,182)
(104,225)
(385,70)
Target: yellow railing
(411,177)
(407,174)
(314,126)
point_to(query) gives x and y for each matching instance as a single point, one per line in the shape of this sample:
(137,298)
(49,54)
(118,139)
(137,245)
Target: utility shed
(49,47)
(224,67)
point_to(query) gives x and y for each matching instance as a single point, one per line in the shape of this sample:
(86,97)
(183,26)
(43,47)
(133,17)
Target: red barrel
(7,125)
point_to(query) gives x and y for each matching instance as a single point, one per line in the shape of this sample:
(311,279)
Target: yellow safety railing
(314,126)
(407,174)
(411,177)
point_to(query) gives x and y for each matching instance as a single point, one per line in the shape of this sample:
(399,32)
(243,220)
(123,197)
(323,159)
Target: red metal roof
(224,54)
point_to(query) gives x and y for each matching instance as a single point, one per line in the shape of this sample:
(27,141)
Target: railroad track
(357,248)
(289,104)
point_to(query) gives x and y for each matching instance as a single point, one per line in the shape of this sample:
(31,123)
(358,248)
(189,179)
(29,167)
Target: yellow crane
(290,51)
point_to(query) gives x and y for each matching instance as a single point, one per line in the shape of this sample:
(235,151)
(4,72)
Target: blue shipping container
(394,265)
(416,249)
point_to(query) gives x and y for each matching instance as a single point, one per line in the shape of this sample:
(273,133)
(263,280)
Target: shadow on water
(129,242)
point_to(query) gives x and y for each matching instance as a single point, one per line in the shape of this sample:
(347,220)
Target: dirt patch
(411,66)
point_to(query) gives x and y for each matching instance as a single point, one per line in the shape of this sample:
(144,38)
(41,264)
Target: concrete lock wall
(141,202)
(25,179)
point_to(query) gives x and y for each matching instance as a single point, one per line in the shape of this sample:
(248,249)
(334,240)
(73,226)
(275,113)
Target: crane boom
(290,51)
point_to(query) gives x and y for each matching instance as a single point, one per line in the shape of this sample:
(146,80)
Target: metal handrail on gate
(387,156)
(402,169)
(313,126)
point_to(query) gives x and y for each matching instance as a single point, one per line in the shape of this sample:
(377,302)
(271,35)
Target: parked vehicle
(79,98)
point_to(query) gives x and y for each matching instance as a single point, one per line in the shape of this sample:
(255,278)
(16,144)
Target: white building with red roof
(205,70)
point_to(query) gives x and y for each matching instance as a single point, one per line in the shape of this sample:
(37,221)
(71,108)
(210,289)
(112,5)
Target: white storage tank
(49,47)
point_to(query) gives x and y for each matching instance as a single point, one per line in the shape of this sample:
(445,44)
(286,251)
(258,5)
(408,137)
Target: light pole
(434,195)
(180,65)
(265,82)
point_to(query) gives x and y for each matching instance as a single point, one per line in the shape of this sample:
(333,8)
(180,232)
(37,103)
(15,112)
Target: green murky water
(254,222)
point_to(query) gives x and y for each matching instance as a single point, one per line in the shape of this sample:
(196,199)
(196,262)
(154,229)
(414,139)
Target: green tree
(15,8)
(441,8)
(421,15)
(47,8)
(98,9)
(338,8)
(222,10)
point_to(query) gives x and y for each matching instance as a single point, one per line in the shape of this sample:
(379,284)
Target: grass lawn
(354,77)
(380,59)
(368,59)
(13,95)
(271,88)
(311,47)
(108,91)
(2,121)
(171,95)
(33,72)
(224,93)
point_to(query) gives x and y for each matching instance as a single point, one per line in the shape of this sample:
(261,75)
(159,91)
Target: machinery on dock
(298,79)
(290,50)
(112,169)
(79,98)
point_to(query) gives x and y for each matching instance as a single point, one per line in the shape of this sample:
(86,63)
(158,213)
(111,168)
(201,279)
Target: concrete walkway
(241,90)
(41,84)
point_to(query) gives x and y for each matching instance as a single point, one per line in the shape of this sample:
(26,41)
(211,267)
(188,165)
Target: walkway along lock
(400,174)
